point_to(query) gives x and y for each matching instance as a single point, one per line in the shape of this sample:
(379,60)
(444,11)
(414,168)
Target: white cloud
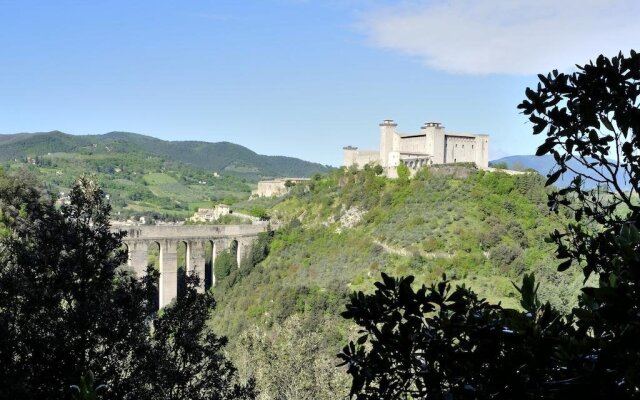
(506,36)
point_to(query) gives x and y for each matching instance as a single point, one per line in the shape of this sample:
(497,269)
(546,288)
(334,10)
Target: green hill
(481,229)
(219,157)
(145,175)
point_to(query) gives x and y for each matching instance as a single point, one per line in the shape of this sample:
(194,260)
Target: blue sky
(293,77)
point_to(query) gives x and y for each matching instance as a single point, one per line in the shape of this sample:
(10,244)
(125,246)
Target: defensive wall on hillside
(195,237)
(276,187)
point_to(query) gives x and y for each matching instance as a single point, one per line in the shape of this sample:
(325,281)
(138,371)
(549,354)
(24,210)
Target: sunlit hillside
(481,229)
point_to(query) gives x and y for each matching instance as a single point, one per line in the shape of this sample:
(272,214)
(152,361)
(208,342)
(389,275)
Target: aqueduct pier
(220,237)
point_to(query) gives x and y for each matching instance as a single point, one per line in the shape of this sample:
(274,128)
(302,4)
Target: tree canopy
(68,308)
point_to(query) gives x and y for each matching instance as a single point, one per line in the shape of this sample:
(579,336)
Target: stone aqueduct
(221,237)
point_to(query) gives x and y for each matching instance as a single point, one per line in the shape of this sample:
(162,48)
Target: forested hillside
(145,175)
(214,157)
(483,230)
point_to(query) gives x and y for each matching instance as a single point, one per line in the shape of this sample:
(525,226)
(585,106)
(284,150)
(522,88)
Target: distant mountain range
(544,164)
(222,157)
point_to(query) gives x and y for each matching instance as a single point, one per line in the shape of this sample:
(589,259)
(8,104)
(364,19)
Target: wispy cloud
(505,36)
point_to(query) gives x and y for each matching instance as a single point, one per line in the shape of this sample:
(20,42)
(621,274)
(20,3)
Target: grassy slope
(482,229)
(138,183)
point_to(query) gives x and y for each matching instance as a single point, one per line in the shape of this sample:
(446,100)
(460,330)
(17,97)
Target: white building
(210,214)
(432,145)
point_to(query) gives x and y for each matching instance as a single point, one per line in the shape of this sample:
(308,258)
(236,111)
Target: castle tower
(434,136)
(349,154)
(388,142)
(482,151)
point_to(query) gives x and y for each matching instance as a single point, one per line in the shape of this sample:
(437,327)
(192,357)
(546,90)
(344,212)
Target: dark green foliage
(59,269)
(593,117)
(259,251)
(598,119)
(66,307)
(188,356)
(224,263)
(87,389)
(440,343)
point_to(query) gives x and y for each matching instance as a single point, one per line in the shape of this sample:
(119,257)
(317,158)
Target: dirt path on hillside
(404,252)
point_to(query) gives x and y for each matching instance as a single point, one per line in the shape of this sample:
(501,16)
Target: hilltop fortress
(430,146)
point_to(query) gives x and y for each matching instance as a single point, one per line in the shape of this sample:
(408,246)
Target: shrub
(503,254)
(223,265)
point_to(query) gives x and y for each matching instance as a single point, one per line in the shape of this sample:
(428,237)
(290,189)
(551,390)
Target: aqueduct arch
(195,237)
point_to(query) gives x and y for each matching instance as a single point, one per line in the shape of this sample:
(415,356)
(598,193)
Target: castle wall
(270,188)
(352,156)
(460,149)
(349,155)
(413,144)
(276,187)
(363,158)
